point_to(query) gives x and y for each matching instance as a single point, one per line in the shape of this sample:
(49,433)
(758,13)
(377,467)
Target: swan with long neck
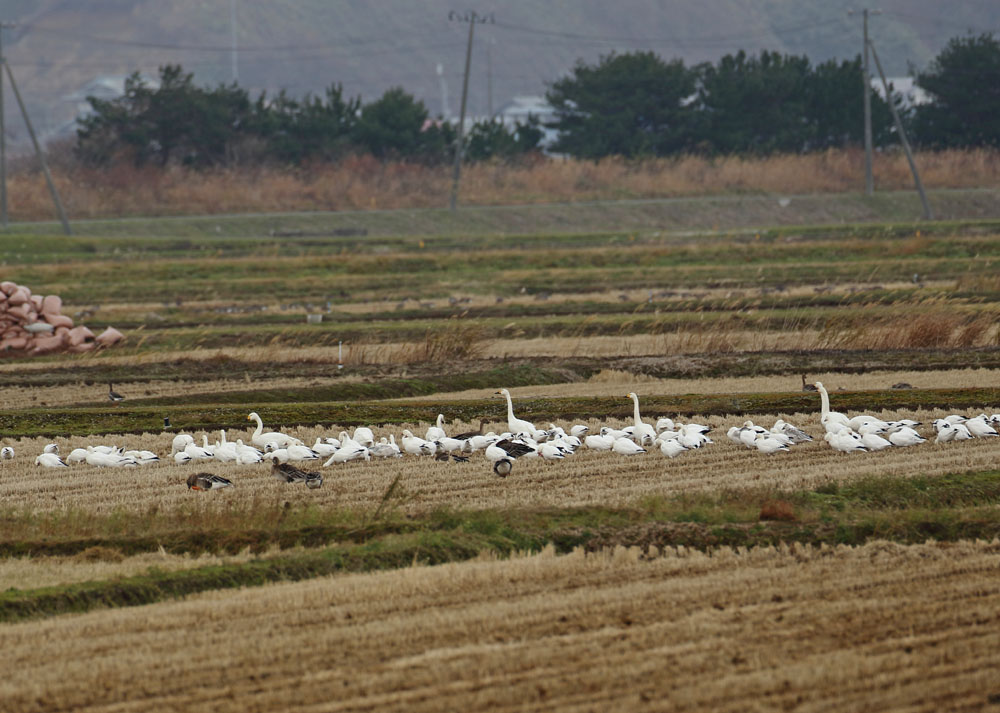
(644,434)
(436,431)
(516,425)
(833,421)
(261,439)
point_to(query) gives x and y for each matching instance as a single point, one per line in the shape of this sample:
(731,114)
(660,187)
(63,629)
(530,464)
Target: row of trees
(183,123)
(638,104)
(632,105)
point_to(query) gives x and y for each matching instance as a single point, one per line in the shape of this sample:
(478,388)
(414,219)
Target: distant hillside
(305,45)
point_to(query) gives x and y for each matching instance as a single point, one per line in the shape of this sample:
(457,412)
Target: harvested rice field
(588,478)
(725,578)
(875,627)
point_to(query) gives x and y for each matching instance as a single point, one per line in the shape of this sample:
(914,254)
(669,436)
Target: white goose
(417,446)
(516,425)
(247,454)
(324,449)
(905,436)
(671,448)
(769,444)
(832,421)
(50,460)
(644,434)
(599,442)
(627,447)
(845,440)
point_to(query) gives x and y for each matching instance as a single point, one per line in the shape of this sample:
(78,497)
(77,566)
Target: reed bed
(889,628)
(362,183)
(588,478)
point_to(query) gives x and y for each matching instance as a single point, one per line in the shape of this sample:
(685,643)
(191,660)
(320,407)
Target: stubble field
(723,579)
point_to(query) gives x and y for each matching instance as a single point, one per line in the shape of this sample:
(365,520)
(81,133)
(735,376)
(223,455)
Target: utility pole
(867,94)
(472,18)
(3,141)
(38,152)
(234,47)
(489,77)
(928,213)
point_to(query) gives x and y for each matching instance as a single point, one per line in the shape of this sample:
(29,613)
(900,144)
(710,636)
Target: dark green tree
(491,139)
(312,129)
(629,105)
(755,104)
(175,122)
(397,126)
(963,82)
(835,107)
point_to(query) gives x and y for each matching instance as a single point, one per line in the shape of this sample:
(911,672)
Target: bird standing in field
(503,467)
(6,453)
(113,395)
(207,481)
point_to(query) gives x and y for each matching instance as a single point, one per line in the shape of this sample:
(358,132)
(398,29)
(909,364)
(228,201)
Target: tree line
(634,105)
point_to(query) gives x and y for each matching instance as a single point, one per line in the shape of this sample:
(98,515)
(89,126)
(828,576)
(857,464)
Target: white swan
(261,439)
(364,436)
(832,421)
(436,431)
(644,434)
(516,425)
(180,441)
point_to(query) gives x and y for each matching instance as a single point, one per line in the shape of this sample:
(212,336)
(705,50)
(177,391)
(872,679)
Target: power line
(688,40)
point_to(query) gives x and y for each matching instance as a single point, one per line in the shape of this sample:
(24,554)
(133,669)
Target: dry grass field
(365,184)
(873,628)
(723,579)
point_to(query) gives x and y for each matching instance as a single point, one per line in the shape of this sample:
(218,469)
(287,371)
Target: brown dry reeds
(363,183)
(458,341)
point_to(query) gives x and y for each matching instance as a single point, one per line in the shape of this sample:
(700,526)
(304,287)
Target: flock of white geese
(521,440)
